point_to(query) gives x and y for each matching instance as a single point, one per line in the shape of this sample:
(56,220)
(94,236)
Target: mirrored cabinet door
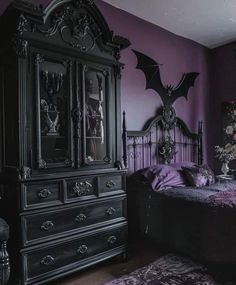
(96,115)
(53,105)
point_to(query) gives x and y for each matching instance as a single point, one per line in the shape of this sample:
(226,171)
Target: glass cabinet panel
(54,121)
(95,116)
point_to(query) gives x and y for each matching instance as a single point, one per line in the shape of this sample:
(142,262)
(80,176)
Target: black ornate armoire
(62,180)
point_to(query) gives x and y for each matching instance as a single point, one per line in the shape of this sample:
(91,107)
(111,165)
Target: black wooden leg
(4,264)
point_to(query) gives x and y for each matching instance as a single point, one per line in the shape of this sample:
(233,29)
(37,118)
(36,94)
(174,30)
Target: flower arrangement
(225,154)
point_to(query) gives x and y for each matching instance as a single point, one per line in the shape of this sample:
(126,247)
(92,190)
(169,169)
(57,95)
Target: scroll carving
(21,47)
(76,29)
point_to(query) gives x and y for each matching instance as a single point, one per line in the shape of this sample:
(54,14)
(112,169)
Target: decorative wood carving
(24,173)
(21,47)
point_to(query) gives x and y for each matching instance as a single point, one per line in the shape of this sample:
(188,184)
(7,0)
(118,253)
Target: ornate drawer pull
(110,211)
(44,193)
(46,226)
(47,260)
(82,249)
(111,240)
(82,188)
(81,217)
(110,184)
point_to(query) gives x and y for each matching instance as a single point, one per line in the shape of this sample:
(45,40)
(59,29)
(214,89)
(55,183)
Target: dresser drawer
(75,252)
(43,194)
(81,188)
(111,183)
(74,219)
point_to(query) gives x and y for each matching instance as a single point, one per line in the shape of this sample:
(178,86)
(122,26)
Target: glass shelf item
(95,115)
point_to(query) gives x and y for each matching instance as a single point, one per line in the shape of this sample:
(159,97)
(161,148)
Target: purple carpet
(167,270)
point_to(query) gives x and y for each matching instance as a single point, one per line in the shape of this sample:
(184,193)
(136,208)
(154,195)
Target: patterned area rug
(167,270)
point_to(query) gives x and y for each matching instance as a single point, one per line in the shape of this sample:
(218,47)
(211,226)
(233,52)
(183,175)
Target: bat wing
(185,83)
(151,72)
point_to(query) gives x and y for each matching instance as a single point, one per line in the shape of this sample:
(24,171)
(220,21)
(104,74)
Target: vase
(225,168)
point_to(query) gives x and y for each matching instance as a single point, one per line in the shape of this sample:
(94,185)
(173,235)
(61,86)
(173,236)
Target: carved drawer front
(42,194)
(110,183)
(82,188)
(54,223)
(75,252)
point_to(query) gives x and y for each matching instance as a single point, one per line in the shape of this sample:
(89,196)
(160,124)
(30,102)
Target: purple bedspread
(198,222)
(224,199)
(202,194)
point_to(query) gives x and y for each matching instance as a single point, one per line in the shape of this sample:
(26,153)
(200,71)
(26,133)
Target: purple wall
(177,55)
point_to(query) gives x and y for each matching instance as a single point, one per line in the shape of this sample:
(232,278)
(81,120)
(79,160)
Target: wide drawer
(74,253)
(49,224)
(43,194)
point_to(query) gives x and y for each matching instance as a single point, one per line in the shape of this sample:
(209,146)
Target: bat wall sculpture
(168,93)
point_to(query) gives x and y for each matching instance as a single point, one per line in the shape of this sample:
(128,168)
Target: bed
(199,222)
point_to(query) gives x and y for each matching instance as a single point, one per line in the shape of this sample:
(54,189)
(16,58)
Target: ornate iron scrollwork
(168,117)
(167,149)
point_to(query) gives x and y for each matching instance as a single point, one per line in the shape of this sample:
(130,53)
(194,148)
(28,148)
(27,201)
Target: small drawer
(75,252)
(39,227)
(82,188)
(110,183)
(45,194)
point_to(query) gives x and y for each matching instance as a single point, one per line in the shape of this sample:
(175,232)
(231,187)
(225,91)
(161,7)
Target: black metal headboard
(164,139)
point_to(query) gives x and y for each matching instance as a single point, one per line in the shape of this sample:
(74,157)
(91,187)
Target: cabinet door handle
(44,193)
(111,240)
(82,249)
(46,226)
(80,218)
(110,211)
(47,260)
(110,184)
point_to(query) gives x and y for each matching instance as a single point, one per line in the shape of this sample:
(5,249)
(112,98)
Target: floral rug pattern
(167,270)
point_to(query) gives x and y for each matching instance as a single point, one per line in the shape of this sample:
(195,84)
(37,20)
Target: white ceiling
(209,22)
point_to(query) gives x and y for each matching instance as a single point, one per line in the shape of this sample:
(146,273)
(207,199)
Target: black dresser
(62,181)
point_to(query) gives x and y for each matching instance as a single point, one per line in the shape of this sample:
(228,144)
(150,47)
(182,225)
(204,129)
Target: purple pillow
(163,176)
(199,175)
(180,165)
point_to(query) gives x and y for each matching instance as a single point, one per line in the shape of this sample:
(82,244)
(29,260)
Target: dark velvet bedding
(197,222)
